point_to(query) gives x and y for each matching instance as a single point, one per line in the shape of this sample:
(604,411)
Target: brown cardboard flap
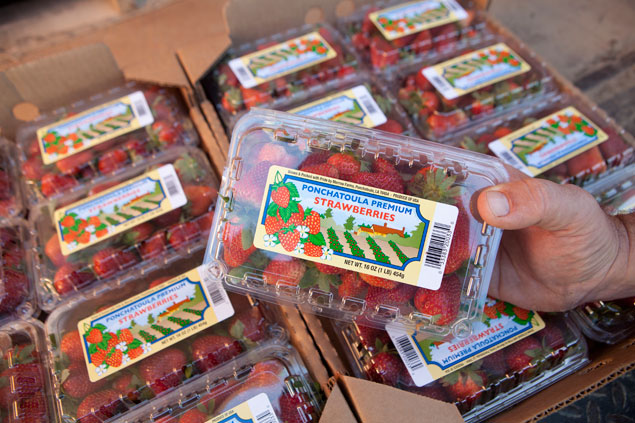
(374,402)
(336,409)
(198,56)
(57,80)
(331,355)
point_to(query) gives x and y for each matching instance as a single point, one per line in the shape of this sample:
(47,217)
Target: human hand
(559,248)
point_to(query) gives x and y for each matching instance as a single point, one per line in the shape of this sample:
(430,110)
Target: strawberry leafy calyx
(435,185)
(313,277)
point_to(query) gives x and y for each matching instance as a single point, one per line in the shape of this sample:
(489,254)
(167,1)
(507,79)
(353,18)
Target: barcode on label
(172,185)
(218,296)
(242,73)
(408,353)
(441,84)
(266,417)
(509,158)
(453,6)
(438,247)
(368,103)
(141,108)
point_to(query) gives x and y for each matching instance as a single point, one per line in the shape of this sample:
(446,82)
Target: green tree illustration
(328,213)
(350,223)
(133,323)
(150,319)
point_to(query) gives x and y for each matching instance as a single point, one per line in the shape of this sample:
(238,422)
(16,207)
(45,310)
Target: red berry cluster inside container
(280,86)
(150,243)
(270,379)
(363,157)
(484,387)
(17,297)
(97,155)
(10,193)
(185,360)
(437,117)
(25,385)
(613,153)
(442,36)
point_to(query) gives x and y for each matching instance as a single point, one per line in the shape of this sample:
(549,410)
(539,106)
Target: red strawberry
(391,126)
(346,165)
(460,244)
(284,270)
(29,409)
(313,250)
(126,384)
(252,97)
(98,358)
(382,165)
(434,391)
(273,224)
(165,132)
(109,261)
(443,304)
(313,222)
(522,354)
(378,282)
(126,336)
(99,406)
(389,182)
(385,368)
(137,149)
(281,196)
(154,246)
(589,162)
(248,325)
(238,244)
(193,415)
(521,313)
(289,238)
(494,365)
(101,187)
(112,160)
(251,186)
(159,281)
(54,184)
(373,339)
(500,132)
(16,286)
(94,336)
(77,384)
(135,352)
(199,198)
(315,158)
(137,234)
(115,358)
(211,350)
(168,219)
(464,383)
(276,154)
(296,218)
(402,294)
(205,223)
(71,276)
(435,185)
(183,234)
(352,285)
(325,268)
(295,409)
(33,168)
(323,169)
(382,54)
(73,164)
(163,370)
(71,345)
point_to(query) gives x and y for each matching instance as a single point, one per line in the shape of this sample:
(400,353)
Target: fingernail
(498,204)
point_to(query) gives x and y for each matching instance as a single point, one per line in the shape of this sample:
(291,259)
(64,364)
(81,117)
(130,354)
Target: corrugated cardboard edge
(337,409)
(327,348)
(610,364)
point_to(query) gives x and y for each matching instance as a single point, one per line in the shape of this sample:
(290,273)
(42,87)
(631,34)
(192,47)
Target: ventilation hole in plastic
(314,15)
(344,8)
(26,111)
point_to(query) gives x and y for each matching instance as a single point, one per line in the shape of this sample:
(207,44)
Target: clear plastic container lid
(486,81)
(184,360)
(559,116)
(25,380)
(10,190)
(485,387)
(268,384)
(96,138)
(361,101)
(616,192)
(391,34)
(277,70)
(390,178)
(17,291)
(141,218)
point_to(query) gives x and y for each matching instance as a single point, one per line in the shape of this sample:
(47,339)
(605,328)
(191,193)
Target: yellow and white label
(151,321)
(257,409)
(118,209)
(356,227)
(94,126)
(544,144)
(412,17)
(428,360)
(355,106)
(478,69)
(282,59)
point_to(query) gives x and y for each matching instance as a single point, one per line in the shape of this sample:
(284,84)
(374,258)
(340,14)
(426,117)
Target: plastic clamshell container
(17,282)
(615,192)
(190,358)
(595,164)
(299,142)
(385,104)
(427,45)
(110,121)
(27,393)
(439,118)
(274,371)
(232,98)
(148,244)
(561,350)
(10,191)
(606,321)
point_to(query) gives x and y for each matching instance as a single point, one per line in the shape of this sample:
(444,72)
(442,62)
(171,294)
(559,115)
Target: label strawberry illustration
(546,143)
(428,360)
(475,70)
(412,17)
(355,106)
(94,126)
(117,209)
(355,227)
(282,59)
(151,321)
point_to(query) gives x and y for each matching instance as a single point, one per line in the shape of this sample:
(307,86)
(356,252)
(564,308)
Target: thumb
(535,202)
